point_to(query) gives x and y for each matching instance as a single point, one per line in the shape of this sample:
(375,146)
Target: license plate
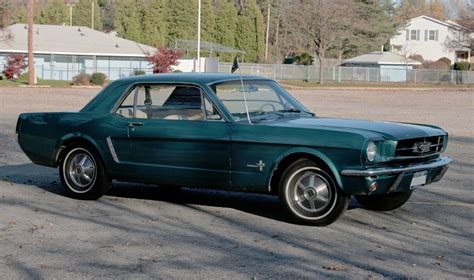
(419,179)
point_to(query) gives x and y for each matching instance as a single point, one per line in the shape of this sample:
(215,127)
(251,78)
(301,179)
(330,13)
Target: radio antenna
(236,66)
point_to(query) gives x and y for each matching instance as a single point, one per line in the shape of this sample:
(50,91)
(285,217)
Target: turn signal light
(373,187)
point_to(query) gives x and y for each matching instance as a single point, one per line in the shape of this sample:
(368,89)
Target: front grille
(420,147)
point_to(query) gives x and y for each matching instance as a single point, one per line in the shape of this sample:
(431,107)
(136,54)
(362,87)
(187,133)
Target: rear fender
(77,137)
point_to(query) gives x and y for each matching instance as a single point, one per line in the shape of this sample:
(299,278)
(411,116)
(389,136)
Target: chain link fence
(331,74)
(339,74)
(65,74)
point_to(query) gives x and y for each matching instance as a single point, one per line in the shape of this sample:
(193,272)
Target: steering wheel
(262,107)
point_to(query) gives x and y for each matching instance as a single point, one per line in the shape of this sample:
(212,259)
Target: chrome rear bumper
(440,162)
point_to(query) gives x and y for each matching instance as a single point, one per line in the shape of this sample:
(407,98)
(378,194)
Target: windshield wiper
(293,110)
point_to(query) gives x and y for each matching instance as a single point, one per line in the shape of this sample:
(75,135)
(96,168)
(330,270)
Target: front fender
(309,151)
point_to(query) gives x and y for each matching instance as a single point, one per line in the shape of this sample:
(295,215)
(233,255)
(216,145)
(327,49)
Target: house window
(415,35)
(433,35)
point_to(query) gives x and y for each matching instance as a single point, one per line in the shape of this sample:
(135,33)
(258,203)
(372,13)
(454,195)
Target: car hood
(389,130)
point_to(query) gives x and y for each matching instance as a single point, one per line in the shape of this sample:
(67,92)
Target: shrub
(416,57)
(98,79)
(445,60)
(15,64)
(304,59)
(438,65)
(462,66)
(138,72)
(177,71)
(82,80)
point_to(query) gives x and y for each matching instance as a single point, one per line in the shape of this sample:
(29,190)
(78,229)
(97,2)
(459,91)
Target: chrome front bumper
(440,162)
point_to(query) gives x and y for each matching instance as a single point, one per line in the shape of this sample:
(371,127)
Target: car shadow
(263,205)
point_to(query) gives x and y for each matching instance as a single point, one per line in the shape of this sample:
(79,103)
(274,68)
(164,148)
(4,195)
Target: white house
(433,39)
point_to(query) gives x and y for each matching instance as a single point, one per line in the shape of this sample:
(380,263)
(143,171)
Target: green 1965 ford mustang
(218,131)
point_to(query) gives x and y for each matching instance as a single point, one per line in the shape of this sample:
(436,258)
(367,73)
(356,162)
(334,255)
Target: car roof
(197,78)
(109,96)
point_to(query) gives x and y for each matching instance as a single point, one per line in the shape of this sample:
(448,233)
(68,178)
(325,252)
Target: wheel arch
(69,139)
(293,155)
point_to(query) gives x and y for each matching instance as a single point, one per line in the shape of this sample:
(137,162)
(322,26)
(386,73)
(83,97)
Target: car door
(178,137)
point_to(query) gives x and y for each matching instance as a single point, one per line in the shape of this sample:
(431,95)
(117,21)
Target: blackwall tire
(310,195)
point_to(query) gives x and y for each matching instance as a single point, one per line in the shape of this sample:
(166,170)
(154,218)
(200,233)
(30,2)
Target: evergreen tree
(225,26)
(128,20)
(55,12)
(182,20)
(207,21)
(373,27)
(107,14)
(40,14)
(82,14)
(153,23)
(20,15)
(250,30)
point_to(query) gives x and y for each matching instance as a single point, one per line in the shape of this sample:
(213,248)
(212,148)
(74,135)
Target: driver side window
(168,102)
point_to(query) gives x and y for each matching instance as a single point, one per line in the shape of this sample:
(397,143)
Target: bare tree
(327,23)
(463,13)
(4,33)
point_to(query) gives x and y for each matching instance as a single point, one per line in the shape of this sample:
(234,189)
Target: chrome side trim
(112,150)
(440,162)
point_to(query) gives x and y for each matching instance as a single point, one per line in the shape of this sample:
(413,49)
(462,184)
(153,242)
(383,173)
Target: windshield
(264,99)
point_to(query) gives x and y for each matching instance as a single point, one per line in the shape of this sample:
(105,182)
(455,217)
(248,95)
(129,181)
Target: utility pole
(268,31)
(199,38)
(92,14)
(31,61)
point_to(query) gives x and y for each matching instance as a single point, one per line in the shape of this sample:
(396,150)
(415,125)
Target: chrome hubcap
(312,192)
(82,170)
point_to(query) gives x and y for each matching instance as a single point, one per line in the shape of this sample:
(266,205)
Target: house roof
(448,23)
(381,58)
(71,40)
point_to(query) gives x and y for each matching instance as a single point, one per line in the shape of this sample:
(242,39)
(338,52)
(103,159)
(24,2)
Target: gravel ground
(139,231)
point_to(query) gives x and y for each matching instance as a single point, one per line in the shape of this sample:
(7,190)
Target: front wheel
(82,174)
(383,202)
(310,195)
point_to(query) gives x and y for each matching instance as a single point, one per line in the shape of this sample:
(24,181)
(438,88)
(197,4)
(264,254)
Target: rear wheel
(309,194)
(82,173)
(383,202)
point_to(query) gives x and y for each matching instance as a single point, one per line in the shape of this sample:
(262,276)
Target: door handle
(132,124)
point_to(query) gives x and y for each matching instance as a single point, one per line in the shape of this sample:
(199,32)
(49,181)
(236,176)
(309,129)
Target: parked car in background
(225,132)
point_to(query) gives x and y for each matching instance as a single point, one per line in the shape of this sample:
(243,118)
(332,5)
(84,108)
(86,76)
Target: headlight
(371,151)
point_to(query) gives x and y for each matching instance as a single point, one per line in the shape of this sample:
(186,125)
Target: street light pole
(199,38)
(31,61)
